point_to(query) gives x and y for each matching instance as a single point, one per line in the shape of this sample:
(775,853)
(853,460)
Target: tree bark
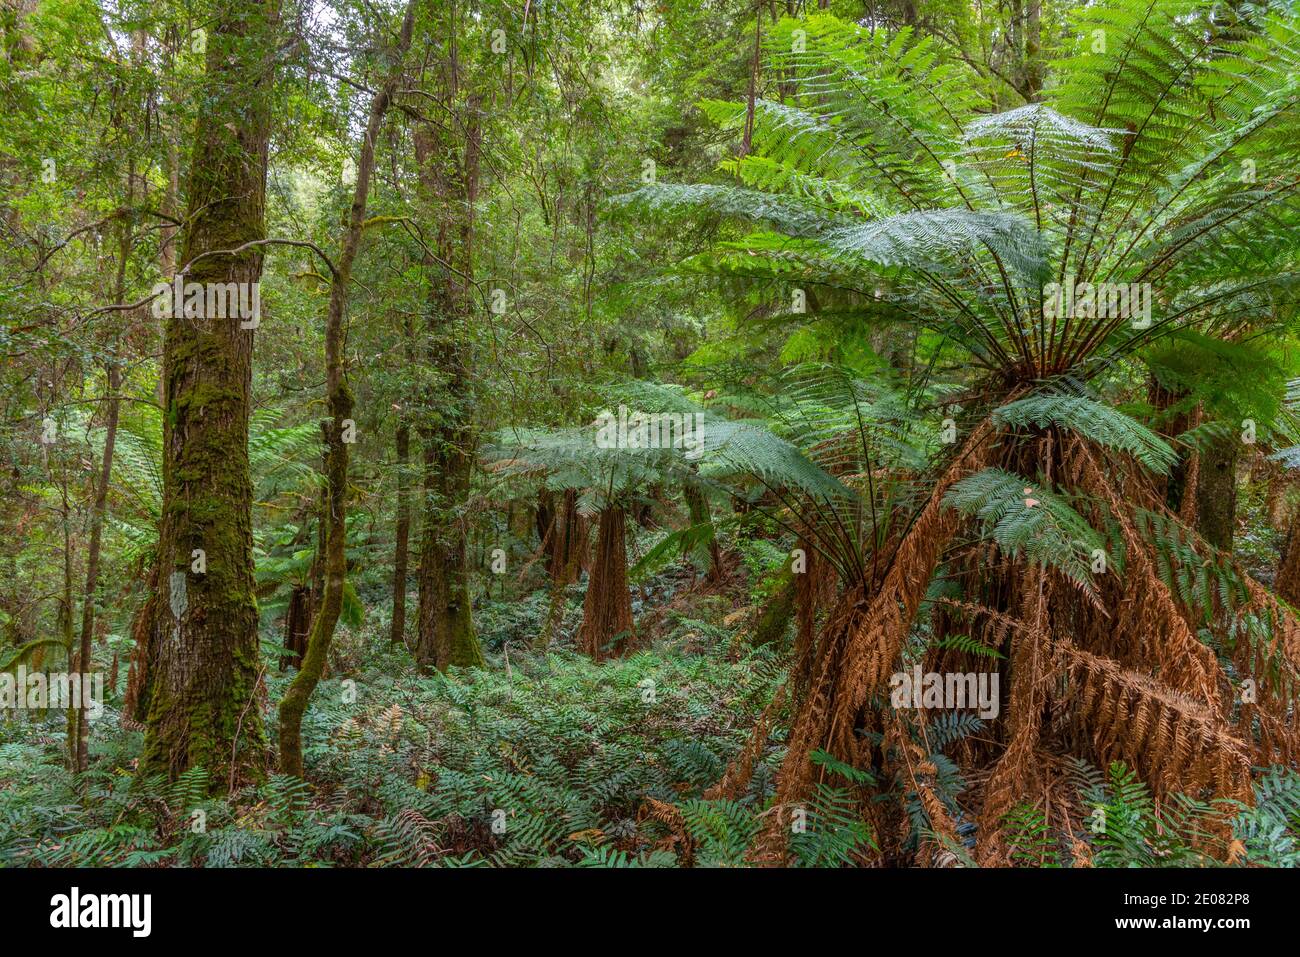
(297,626)
(566,546)
(144,656)
(1276,501)
(80,752)
(1033,77)
(339,397)
(568,540)
(80,745)
(449,186)
(206,677)
(545,515)
(401,549)
(607,613)
(1287,583)
(1216,492)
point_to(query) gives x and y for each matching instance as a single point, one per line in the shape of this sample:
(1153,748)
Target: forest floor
(544,758)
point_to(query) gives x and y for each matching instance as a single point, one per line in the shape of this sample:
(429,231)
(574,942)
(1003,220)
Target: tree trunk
(339,396)
(1276,500)
(80,749)
(92,555)
(402,546)
(747,140)
(1287,584)
(448,180)
(698,506)
(401,550)
(1174,486)
(568,540)
(144,655)
(203,709)
(565,544)
(297,626)
(1216,491)
(773,621)
(65,619)
(607,614)
(1033,73)
(545,523)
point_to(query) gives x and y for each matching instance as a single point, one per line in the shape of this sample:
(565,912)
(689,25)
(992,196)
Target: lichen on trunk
(206,673)
(448,169)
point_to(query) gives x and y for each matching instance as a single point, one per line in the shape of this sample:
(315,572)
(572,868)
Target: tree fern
(1028,521)
(1094,420)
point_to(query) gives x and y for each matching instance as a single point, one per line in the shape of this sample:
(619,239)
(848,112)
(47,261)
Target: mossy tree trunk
(448,176)
(1216,491)
(401,548)
(202,708)
(697,504)
(773,620)
(335,429)
(1171,424)
(1202,486)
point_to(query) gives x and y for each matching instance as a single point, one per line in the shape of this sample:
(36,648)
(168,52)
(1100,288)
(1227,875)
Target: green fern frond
(1093,420)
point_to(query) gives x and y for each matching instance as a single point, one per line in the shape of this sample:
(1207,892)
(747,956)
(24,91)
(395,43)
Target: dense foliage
(592,415)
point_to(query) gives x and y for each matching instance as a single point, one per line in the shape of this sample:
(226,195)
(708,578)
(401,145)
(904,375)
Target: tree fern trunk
(297,626)
(1276,502)
(566,544)
(697,505)
(1287,584)
(568,540)
(607,613)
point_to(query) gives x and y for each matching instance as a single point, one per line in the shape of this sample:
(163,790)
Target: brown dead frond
(741,768)
(1015,772)
(863,636)
(1175,742)
(670,816)
(912,766)
(1148,620)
